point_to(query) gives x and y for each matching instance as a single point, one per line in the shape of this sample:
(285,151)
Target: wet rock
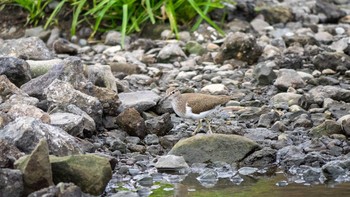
(328,127)
(28,48)
(36,168)
(131,121)
(159,125)
(206,148)
(312,175)
(8,154)
(290,156)
(63,46)
(247,171)
(239,46)
(319,93)
(11,182)
(90,172)
(62,94)
(208,178)
(288,78)
(261,158)
(171,163)
(70,71)
(16,70)
(171,53)
(277,14)
(61,189)
(125,194)
(264,74)
(71,123)
(331,11)
(331,60)
(25,133)
(20,110)
(333,169)
(140,100)
(102,76)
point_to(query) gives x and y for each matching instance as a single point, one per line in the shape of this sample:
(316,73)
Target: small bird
(195,105)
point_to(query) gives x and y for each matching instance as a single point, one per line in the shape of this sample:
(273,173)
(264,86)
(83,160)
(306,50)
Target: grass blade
(124,24)
(76,14)
(54,13)
(199,11)
(150,12)
(170,11)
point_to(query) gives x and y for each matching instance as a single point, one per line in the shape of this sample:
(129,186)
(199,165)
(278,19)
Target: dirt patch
(12,21)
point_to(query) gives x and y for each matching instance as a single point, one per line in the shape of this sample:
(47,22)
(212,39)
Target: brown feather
(204,102)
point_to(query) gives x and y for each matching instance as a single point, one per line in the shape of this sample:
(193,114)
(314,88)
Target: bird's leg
(209,127)
(198,127)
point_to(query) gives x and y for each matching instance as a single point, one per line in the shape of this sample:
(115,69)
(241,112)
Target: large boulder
(36,168)
(213,148)
(90,172)
(25,133)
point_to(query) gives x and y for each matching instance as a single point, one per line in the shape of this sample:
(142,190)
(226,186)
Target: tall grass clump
(126,16)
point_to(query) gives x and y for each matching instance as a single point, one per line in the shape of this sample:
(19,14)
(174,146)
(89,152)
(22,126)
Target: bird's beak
(163,99)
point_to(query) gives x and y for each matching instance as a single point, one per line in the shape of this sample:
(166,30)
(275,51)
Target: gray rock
(259,25)
(332,60)
(344,121)
(239,46)
(171,53)
(11,182)
(71,123)
(30,48)
(159,125)
(72,71)
(287,98)
(290,156)
(151,139)
(288,78)
(171,162)
(140,100)
(113,38)
(215,89)
(101,75)
(290,61)
(319,93)
(193,47)
(312,175)
(208,177)
(264,74)
(9,89)
(331,11)
(206,148)
(131,121)
(300,39)
(38,31)
(25,133)
(324,37)
(62,94)
(36,168)
(260,134)
(16,70)
(334,169)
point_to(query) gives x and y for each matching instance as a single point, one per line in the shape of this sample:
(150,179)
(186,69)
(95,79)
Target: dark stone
(11,182)
(159,125)
(16,70)
(261,158)
(8,154)
(131,121)
(264,73)
(332,60)
(63,46)
(332,12)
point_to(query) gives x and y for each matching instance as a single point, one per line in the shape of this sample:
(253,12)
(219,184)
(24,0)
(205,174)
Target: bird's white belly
(190,114)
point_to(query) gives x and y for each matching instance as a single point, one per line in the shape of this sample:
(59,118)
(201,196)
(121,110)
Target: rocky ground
(84,118)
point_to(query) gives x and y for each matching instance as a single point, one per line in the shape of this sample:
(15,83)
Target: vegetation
(126,16)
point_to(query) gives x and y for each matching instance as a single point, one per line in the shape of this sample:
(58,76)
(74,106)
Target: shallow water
(252,187)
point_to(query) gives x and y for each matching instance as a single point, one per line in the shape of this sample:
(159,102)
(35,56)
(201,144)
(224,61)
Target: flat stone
(140,100)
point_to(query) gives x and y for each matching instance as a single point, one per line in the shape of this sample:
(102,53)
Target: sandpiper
(195,105)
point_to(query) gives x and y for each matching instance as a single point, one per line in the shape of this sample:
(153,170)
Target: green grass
(126,16)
